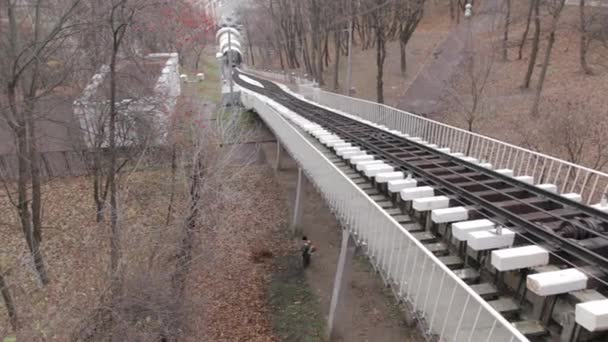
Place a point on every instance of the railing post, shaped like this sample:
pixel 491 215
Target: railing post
pixel 343 275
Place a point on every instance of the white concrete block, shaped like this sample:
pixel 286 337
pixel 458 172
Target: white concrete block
pixel 449 214
pixel 444 149
pixel 556 282
pixel 349 155
pixel 431 203
pixel 418 192
pixel 359 158
pixel 601 207
pixel 374 163
pixel 573 196
pixel 389 176
pixel 519 257
pixel 486 165
pixel 398 185
pixel 341 150
pixel 342 145
pixel 457 154
pixel 310 127
pixel 373 170
pixel 470 160
pixel 415 139
pixel 329 138
pixel 461 230
pixel 361 164
pixel 592 315
pixel 490 239
pixel 548 187
pixel 506 172
pixel 432 145
pixel 333 143
pixel 320 131
pixel 525 179
pixel 325 136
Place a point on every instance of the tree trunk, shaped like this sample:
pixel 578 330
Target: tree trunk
pixel 36 206
pixel 452 9
pixel 8 303
pixel 184 254
pixel 320 66
pixel 535 45
pixel 35 178
pixel 543 73
pixel 249 43
pixel 403 58
pixel 380 56
pixel 24 167
pixel 338 43
pixel 281 58
pixel 505 39
pixel 525 36
pixel 99 207
pixel 326 50
pixel 584 44
pixel 111 178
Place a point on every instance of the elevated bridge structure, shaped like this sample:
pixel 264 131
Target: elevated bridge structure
pixel 481 240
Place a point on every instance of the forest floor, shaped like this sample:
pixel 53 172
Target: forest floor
pixel 569 96
pixel 245 279
pixel 370 312
pixel 572 103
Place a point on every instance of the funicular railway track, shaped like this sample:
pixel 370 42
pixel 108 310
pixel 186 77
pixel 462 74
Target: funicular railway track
pixel 576 235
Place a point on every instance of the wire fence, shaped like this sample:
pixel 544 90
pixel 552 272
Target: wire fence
pixel 446 306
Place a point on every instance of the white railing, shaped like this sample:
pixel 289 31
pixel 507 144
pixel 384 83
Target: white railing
pixel 448 308
pixel 569 177
pixel 288 77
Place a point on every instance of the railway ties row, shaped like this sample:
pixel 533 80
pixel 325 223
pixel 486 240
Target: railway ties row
pixel 479 234
pixel 483 240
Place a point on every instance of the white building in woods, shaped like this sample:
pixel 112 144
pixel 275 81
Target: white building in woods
pixel 147 97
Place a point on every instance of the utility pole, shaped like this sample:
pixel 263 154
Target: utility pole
pixel 350 54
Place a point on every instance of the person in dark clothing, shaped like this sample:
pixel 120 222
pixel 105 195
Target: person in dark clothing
pixel 307 250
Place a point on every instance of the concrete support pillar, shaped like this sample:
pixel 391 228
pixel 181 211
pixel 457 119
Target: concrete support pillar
pixel 342 279
pixel 297 212
pixel 277 162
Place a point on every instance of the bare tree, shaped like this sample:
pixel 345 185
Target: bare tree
pixel 505 39
pixel 535 44
pixel 578 133
pixel 472 99
pixel 8 301
pixel 555 8
pixel 381 23
pixel 408 14
pixel 35 34
pixel 527 29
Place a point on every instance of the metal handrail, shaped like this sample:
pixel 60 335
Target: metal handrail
pixel 573 177
pixel 273 119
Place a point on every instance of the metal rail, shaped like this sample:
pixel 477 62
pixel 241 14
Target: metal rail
pixel 531 211
pixel 569 177
pixel 447 307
